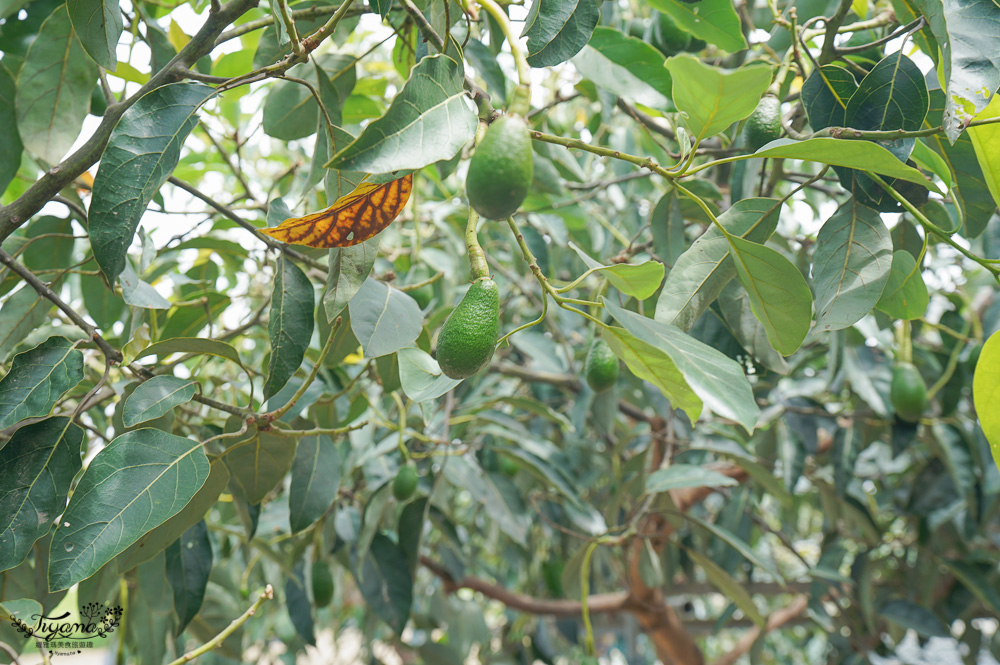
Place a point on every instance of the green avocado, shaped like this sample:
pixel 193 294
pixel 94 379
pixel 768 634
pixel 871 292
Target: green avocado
pixel 508 466
pixel 764 124
pixel 405 482
pixel 666 36
pixel 501 169
pixel 601 366
pixel 469 335
pixel 908 392
pixel 322 583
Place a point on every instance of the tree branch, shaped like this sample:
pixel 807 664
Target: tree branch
pixel 56 178
pixel 601 603
pixel 774 622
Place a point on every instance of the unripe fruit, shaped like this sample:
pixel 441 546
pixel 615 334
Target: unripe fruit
pixel 601 366
pixel 908 392
pixel 764 124
pixel 405 483
pixel 468 337
pixel 667 37
pixel 508 466
pixel 322 583
pixel 501 169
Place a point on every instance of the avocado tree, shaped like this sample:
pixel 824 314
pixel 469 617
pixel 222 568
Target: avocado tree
pixel 483 332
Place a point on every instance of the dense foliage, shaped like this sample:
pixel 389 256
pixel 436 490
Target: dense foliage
pixel 741 402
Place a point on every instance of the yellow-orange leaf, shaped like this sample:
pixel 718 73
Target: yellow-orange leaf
pixel 354 218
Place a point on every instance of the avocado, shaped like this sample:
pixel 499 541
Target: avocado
pixel 601 366
pixel 666 36
pixel 469 335
pixel 322 583
pixel 764 124
pixel 908 392
pixel 405 482
pixel 501 169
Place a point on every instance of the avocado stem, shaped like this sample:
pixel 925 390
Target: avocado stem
pixel 477 257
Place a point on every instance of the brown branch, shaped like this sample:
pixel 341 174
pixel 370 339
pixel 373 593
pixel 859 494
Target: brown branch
pixel 56 178
pixel 601 603
pixel 777 619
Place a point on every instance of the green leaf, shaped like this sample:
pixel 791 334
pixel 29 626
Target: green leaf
pixel 385 582
pixel 37 379
pixel 734 303
pixel 905 294
pixel 10 140
pixel 865 155
pixel 728 585
pixel 779 295
pixel 679 476
pixel 850 265
pixel 384 319
pixel 714 21
pixel 298 605
pixel 626 66
pixel 290 110
pixel 22 312
pixel 315 481
pixel 51 243
pixel 157 397
pixel 143 150
pixel 969 59
pixel 185 321
pixel 986 393
pixel 639 280
pixel 37 465
pixel 290 326
pixel 825 96
pixel 500 500
pixel 258 463
pixel 714 98
pixel 487 67
pixel 701 273
pixel 137 292
pixel 974 579
pixel 429 120
pixel 651 364
pixel 736 543
pixel 986 142
pixel 99 25
pixel 909 616
pixel 136 483
pixel 188 564
pixel 892 96
pixel 556 30
pixel 53 89
pixel 717 379
pixel 348 269
pixel 420 375
pixel 195 345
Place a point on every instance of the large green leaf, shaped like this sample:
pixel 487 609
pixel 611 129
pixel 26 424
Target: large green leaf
pixel 651 364
pixel 717 379
pixel 715 21
pixel 825 95
pixel 37 379
pixel 157 397
pixel 290 327
pixel 315 480
pixel 99 25
pixel 728 586
pixel 429 120
pixel 137 482
pixel 715 98
pixel 10 140
pixel 910 616
pixel 348 269
pixel 986 393
pixel 143 150
pixel 258 463
pixel 420 375
pixel 290 109
pixel 385 582
pixel 986 142
pixel 734 303
pixel 865 155
pixel 556 30
pixel 850 265
pixel 22 312
pixel 969 60
pixel 779 295
pixel 384 319
pixel 53 89
pixel 905 294
pixel 188 564
pixel 626 66
pixel 194 345
pixel 37 465
pixel 701 273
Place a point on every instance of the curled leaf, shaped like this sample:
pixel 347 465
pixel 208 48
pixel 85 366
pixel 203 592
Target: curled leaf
pixel 351 220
